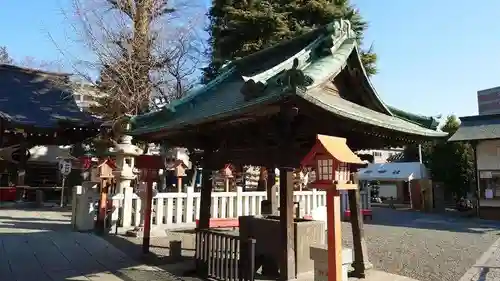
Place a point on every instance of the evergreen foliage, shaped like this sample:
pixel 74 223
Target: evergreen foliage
pixel 450 163
pixel 241 27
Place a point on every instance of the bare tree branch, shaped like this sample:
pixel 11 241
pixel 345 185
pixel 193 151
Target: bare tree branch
pixel 144 52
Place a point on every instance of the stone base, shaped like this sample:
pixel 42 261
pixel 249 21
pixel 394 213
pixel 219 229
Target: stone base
pixel 319 254
pixel 368 265
pixel 138 232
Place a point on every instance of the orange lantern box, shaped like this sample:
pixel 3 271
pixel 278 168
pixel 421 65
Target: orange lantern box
pixel 332 159
pixel 104 170
pixel 178 167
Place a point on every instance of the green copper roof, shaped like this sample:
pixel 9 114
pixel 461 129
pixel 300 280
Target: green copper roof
pixel 295 67
pixel 424 121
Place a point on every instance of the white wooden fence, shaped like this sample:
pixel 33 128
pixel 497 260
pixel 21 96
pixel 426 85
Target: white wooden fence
pixel 181 210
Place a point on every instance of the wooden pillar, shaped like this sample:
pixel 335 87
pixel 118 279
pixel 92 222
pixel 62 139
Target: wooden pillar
pixel 287 235
pixel 146 239
pixel 361 262
pixel 334 234
pixel 262 183
pixel 103 200
pixel 179 184
pixel 206 191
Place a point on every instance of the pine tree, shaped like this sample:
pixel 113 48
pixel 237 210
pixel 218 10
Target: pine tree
pixel 241 27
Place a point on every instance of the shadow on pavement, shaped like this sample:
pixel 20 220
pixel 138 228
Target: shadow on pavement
pixel 40 245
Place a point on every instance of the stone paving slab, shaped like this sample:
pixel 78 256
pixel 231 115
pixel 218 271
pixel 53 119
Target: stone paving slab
pixel 376 275
pixel 487 267
pixel 40 246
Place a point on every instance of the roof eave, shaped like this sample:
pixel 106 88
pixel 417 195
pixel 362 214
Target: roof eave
pixel 181 125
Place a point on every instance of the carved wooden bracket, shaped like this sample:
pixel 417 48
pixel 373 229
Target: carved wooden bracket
pixel 252 90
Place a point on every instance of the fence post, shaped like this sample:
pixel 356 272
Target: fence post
pixel 250 257
pixel 188 211
pixel 239 201
pixel 128 193
pixel 314 201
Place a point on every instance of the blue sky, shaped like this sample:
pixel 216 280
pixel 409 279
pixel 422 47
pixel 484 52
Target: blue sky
pixel 433 55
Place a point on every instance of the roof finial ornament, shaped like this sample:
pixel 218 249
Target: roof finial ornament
pixel 294 77
pixel 343 28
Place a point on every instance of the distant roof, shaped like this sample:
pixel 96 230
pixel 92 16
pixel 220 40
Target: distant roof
pixel 34 98
pixel 479 127
pixel 393 172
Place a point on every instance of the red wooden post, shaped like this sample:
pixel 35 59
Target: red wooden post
pixel 146 239
pixel 103 200
pixel 150 165
pixel 334 235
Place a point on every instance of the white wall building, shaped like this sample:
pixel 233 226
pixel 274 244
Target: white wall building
pixel 381 155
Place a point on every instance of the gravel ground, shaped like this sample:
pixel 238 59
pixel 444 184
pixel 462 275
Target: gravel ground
pixel 427 247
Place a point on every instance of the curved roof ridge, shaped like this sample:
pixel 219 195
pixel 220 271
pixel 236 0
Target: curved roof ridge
pixel 370 84
pixel 426 121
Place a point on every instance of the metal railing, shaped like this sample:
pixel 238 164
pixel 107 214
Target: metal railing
pixel 223 256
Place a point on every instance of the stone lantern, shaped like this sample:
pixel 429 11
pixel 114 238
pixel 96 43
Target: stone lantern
pixel 332 159
pixel 125 153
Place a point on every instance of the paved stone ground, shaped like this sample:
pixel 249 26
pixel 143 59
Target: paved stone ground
pixel 39 246
pixel 487 267
pixel 427 247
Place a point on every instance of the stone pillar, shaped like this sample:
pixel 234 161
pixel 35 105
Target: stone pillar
pixel 128 192
pixel 125 153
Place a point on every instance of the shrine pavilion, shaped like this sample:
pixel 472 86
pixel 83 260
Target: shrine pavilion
pixel 37 108
pixel 267 109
